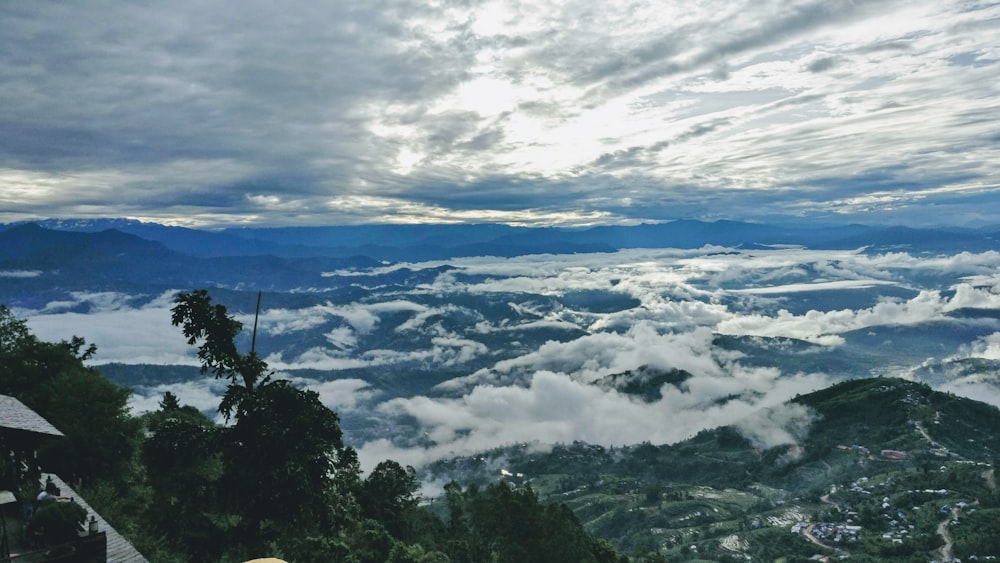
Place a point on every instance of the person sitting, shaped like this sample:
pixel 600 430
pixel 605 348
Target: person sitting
pixel 50 494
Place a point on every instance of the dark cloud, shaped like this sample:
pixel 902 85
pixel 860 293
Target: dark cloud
pixel 657 59
pixel 822 64
pixel 163 109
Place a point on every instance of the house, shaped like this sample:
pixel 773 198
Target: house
pixel 894 455
pixel 17 420
pixel 22 431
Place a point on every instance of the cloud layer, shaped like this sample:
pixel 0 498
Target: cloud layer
pixel 497 351
pixel 556 112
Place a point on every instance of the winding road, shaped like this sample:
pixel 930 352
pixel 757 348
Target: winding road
pixel 942 530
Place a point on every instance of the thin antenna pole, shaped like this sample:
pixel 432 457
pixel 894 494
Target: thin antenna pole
pixel 253 341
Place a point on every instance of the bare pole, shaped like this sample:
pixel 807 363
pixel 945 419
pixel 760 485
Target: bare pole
pixel 253 340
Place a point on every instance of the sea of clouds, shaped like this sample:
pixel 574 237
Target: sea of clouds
pixel 668 307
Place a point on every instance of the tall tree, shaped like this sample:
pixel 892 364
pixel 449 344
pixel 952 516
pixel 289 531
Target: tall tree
pixel 284 455
pixel 388 495
pixel 183 467
pixel 213 330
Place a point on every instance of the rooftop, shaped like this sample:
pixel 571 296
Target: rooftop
pixel 119 549
pixel 14 415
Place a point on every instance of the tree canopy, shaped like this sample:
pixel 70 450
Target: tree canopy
pixel 101 437
pixel 277 480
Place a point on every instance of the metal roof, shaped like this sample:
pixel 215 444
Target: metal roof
pixel 14 415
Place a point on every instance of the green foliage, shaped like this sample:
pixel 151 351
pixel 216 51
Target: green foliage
pixel 278 480
pixel 210 327
pixel 280 459
pixel 50 378
pixel 184 467
pixel 280 473
pixel 504 524
pixel 57 522
pixel 389 496
pixel 101 437
pixel 977 534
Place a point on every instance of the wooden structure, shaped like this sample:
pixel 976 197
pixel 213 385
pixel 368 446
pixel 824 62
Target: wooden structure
pixel 22 430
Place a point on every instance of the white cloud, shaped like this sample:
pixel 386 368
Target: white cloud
pixel 819 326
pixel 784 425
pixel 987 347
pixel 673 306
pixel 685 299
pixel 339 394
pixel 363 317
pixel 975 390
pixel 20 273
pixel 316 358
pixel 203 394
pixel 556 408
pixel 577 113
pixel 285 321
pixel 819 286
pixel 121 332
pixel 342 337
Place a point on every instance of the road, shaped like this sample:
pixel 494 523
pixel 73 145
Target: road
pixel 942 530
pixel 808 531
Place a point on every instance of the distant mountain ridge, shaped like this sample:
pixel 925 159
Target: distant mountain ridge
pixel 436 242
pixel 114 260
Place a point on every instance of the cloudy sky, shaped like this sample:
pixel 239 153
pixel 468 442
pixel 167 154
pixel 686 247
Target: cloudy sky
pixel 568 112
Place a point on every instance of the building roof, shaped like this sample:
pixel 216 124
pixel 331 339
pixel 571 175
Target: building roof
pixel 119 548
pixel 16 416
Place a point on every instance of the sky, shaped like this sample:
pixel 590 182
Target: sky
pixel 548 112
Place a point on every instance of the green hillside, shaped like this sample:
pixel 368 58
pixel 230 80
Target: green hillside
pixel 870 478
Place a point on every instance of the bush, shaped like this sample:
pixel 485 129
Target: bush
pixel 57 522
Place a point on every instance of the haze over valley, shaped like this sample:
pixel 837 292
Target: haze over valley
pixel 434 359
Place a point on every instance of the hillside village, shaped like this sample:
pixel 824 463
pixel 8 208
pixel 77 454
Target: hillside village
pixel 936 499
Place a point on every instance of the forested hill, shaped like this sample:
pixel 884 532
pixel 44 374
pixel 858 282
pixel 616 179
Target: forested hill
pixel 875 414
pixel 903 415
pixel 710 488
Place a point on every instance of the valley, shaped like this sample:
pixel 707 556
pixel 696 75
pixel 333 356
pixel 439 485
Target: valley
pixel 685 402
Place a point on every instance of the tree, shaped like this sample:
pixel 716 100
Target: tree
pixel 290 486
pixel 286 471
pixel 280 456
pixel 101 438
pixel 504 524
pixel 169 402
pixel 388 495
pixel 183 467
pixel 210 324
